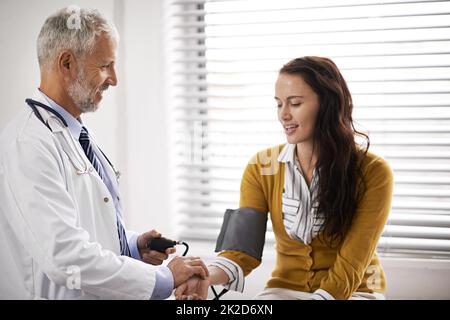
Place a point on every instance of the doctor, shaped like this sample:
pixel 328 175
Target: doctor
pixel 62 234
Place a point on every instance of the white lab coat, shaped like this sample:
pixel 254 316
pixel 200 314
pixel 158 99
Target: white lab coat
pixel 58 223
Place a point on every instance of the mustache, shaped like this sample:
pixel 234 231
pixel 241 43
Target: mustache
pixel 104 87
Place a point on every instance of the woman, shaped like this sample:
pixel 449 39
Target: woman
pixel 328 198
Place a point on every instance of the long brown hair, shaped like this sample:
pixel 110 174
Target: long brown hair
pixel 340 181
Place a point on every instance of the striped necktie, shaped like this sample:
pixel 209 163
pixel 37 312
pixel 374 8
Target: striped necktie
pixel 90 154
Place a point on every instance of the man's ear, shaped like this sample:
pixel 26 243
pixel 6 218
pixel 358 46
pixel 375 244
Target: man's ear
pixel 67 64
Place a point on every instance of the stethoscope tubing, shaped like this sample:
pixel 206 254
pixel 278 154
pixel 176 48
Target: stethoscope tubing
pixel 33 104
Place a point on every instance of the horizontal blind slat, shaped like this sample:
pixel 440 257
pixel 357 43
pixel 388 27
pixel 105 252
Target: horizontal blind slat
pixel 395 57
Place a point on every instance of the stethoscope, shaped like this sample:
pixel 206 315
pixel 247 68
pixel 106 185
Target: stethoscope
pixel 33 104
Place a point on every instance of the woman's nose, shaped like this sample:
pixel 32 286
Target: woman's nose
pixel 284 113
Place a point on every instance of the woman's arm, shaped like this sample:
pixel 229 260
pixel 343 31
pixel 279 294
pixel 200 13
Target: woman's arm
pixel 359 245
pixel 240 260
pixel 217 276
pixel 236 263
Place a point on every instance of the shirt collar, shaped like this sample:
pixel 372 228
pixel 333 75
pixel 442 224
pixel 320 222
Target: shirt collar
pixel 287 154
pixel 73 124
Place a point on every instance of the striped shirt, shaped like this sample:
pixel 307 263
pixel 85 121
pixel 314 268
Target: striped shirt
pixel 233 271
pixel 300 217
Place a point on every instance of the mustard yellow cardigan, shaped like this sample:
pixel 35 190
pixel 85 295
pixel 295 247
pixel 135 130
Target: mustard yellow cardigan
pixel 349 266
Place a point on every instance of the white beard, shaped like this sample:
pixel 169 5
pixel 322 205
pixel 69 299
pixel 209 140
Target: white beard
pixel 80 92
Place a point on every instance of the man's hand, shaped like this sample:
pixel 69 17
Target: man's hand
pixel 184 268
pixel 152 256
pixel 195 288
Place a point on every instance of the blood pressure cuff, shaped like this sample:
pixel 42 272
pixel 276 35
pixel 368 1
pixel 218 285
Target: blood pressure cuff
pixel 244 230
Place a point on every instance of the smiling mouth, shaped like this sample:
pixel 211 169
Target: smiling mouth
pixel 290 128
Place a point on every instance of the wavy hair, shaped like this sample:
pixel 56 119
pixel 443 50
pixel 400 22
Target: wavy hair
pixel 340 176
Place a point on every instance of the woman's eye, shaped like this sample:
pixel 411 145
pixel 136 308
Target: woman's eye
pixel 278 106
pixel 296 104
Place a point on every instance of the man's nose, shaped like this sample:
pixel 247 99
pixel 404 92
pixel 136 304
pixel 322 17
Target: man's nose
pixel 112 78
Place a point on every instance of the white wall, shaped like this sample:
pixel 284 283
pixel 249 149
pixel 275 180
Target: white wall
pixel 147 200
pixel 130 123
pixel 20 22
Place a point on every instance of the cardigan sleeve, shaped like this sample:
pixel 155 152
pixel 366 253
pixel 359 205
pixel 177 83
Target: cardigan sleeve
pixel 358 246
pixel 252 196
pixel 252 193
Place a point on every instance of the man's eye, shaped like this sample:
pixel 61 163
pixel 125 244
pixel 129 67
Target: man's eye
pixel 278 106
pixel 296 104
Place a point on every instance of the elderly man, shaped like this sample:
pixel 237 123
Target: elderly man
pixel 62 234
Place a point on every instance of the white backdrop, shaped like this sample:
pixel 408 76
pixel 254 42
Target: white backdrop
pixel 130 123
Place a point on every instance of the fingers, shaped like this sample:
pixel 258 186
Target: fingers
pixel 151 234
pixel 193 289
pixel 144 237
pixel 196 297
pixel 180 290
pixel 199 271
pixel 198 262
pixel 152 261
pixel 193 296
pixel 185 296
pixel 154 234
pixel 154 257
pixel 170 250
pixel 157 255
pixel 183 268
pixel 197 266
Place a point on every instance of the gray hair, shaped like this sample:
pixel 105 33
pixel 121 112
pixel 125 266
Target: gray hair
pixel 71 28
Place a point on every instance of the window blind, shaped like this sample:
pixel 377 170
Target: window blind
pixel 223 58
